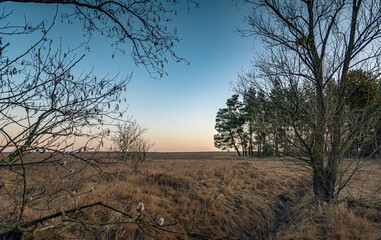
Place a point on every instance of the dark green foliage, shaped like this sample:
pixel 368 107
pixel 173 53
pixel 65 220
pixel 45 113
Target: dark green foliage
pixel 267 151
pixel 229 125
pixel 248 125
pixel 261 125
pixel 363 98
pixel 363 90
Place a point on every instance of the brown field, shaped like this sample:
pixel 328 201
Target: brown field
pixel 203 195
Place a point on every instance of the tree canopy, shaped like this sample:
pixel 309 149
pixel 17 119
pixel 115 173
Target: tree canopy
pixel 312 50
pixel 47 105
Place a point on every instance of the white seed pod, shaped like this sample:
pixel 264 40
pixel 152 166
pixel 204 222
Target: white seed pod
pixel 63 163
pixel 160 222
pixel 71 170
pixel 140 207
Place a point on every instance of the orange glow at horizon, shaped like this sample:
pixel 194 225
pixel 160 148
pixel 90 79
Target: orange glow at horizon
pixel 185 140
pixel 184 145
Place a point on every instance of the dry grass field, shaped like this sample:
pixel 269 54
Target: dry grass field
pixel 199 195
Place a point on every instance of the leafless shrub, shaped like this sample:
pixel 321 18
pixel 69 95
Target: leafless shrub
pixel 131 144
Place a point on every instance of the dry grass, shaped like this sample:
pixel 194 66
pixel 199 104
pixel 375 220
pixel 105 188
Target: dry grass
pixel 213 194
pixel 356 216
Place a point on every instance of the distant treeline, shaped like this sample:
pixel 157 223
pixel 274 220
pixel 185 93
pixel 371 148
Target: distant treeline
pixel 263 123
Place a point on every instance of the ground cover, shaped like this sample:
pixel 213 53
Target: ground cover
pixel 202 195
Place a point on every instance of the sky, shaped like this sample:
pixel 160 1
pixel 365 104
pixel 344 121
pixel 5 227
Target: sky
pixel 178 110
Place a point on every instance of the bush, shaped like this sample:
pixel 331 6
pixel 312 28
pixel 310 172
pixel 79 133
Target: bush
pixel 131 144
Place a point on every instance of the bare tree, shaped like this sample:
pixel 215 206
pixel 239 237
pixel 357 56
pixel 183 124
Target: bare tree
pixel 142 25
pixel 46 108
pixel 138 152
pixel 310 47
pixel 131 144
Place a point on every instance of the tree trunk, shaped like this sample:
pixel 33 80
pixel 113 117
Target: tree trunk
pixel 276 140
pixel 259 144
pixel 323 183
pixel 236 148
pixel 320 191
pixel 251 150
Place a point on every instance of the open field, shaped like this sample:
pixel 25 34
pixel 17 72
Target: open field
pixel 203 195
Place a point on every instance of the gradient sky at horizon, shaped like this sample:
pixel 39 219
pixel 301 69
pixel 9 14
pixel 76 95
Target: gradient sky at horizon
pixel 179 110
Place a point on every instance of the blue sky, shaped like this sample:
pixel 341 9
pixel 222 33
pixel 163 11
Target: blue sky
pixel 179 109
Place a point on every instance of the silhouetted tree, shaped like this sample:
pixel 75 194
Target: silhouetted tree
pixel 307 45
pixel 229 125
pixel 45 106
pixel 258 122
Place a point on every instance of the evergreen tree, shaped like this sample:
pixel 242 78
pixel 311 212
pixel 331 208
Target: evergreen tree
pixel 230 126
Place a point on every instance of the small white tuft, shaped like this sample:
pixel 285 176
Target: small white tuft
pixel 71 170
pixel 140 207
pixel 160 222
pixel 63 163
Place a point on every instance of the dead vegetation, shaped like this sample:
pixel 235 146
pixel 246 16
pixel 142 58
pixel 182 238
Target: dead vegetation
pixel 357 215
pixel 222 198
